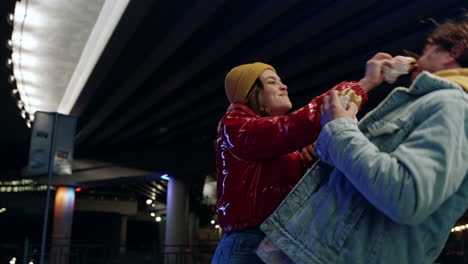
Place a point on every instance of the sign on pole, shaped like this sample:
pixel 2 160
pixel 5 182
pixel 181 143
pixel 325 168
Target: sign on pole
pixel 42 142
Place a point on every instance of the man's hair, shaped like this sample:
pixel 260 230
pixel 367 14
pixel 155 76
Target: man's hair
pixel 451 34
pixel 254 99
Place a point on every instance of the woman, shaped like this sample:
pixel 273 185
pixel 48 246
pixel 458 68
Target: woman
pixel 258 161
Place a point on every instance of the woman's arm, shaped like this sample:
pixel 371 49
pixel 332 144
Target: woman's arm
pixel 252 137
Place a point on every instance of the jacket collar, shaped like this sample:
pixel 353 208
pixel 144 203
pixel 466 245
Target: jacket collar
pixel 458 76
pixel 447 79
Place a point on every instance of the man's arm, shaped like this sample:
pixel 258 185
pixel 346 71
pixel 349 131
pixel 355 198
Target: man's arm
pixel 411 182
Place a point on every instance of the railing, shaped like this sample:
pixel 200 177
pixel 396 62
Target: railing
pixel 101 254
pixel 455 252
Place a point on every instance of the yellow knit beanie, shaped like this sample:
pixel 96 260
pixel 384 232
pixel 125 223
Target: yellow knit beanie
pixel 240 79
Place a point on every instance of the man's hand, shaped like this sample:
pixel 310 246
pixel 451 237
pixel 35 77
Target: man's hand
pixel 332 109
pixel 374 76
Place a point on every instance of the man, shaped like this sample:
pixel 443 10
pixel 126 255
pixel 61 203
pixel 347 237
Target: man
pixel 389 189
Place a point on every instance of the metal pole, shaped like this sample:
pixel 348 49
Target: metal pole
pixel 26 251
pixel 49 182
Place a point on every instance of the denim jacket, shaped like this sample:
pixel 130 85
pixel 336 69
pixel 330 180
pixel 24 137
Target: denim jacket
pixel 387 190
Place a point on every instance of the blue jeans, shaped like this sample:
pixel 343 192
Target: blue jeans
pixel 239 247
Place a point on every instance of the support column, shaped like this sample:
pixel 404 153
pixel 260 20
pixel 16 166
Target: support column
pixel 62 225
pixel 123 234
pixel 177 220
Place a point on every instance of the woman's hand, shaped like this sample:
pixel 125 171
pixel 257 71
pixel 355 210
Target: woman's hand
pixel 307 155
pixel 374 68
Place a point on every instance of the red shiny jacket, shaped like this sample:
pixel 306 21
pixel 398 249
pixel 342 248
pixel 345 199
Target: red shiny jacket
pixel 258 162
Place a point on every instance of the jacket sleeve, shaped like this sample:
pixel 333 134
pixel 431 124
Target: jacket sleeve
pixel 410 183
pixel 266 137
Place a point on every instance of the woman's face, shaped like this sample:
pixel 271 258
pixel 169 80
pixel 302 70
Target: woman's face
pixel 275 93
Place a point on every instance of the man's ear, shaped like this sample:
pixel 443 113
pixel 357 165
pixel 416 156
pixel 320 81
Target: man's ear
pixel 456 51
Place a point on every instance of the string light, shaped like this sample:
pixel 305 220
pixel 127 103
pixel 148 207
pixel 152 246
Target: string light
pixel 9 44
pixel 20 104
pixel 30 188
pixel 24 59
pixel 9 63
pixel 17 40
pixel 26 40
pixel 10 18
pixel 459 228
pixel 18 182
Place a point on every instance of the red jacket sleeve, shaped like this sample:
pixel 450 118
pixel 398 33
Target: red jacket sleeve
pixel 250 136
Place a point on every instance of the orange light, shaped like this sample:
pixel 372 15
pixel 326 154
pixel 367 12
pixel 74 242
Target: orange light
pixel 78 189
